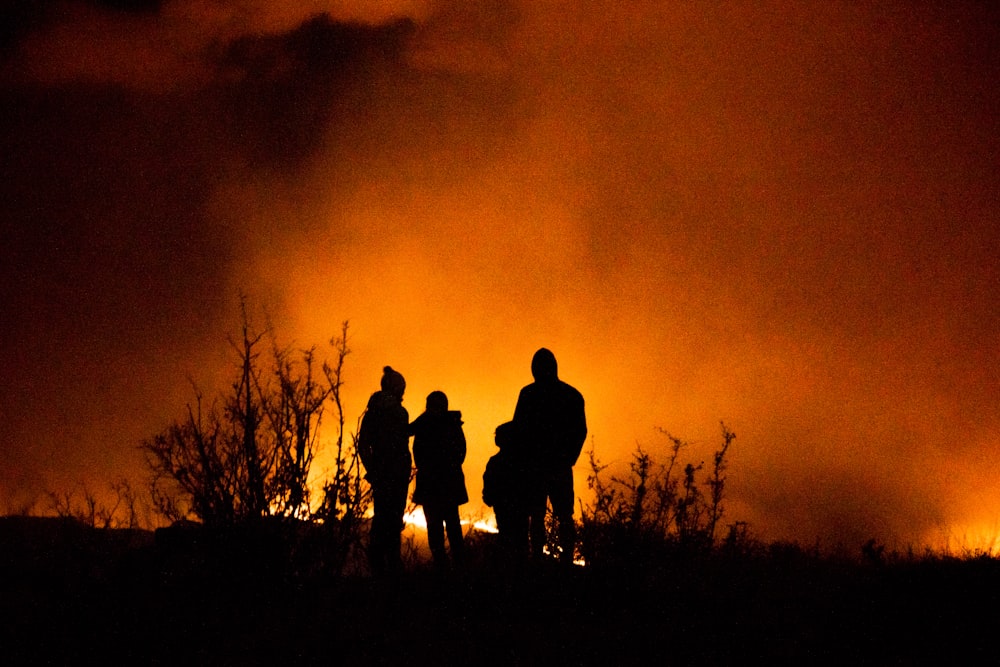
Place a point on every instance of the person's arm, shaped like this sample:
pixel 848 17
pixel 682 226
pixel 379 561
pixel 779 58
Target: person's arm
pixel 462 445
pixel 579 434
pixel 521 408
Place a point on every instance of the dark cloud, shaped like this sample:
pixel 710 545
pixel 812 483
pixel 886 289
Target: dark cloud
pixel 289 88
pixel 131 6
pixel 17 19
pixel 112 255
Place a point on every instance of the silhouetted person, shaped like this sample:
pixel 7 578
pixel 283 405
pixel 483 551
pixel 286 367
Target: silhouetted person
pixel 383 443
pixel 512 489
pixel 438 452
pixel 550 418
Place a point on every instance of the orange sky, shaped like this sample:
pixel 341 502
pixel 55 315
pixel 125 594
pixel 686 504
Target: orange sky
pixel 779 215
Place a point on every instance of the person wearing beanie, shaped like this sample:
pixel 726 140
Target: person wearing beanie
pixel 384 446
pixel 392 382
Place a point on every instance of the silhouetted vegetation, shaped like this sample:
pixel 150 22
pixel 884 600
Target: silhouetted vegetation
pixel 657 506
pixel 125 508
pixel 121 597
pixel 243 460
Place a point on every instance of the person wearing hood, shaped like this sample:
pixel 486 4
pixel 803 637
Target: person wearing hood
pixel 550 417
pixel 438 452
pixel 384 446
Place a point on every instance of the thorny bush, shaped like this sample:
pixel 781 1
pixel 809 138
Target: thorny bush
pixel 657 506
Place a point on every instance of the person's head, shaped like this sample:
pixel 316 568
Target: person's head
pixel 437 402
pixel 393 382
pixel 543 365
pixel 504 435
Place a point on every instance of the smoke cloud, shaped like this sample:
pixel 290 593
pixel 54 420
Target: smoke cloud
pixel 783 217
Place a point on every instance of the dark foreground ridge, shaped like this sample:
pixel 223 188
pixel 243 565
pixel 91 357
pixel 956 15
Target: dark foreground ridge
pixel 73 595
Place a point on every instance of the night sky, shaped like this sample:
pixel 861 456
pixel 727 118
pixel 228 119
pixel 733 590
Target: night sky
pixel 781 215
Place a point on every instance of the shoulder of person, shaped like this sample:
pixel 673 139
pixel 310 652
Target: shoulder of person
pixel 571 390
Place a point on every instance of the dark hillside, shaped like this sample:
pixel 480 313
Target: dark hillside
pixel 73 595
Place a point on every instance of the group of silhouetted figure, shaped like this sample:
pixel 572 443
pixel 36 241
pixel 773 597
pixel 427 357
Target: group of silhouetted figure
pixel 534 468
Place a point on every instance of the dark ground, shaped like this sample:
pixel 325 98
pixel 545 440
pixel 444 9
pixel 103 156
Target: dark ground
pixel 72 595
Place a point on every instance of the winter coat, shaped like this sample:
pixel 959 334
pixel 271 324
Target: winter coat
pixel 438 452
pixel 384 441
pixel 550 416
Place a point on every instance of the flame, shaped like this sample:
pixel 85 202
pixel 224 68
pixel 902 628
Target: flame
pixel 416 519
pixel 975 539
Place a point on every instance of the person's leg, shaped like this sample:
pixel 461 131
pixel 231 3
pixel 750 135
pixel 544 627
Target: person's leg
pixel 435 533
pixel 503 530
pixel 534 499
pixel 514 532
pixel 536 527
pixel 456 541
pixel 394 525
pixel 562 498
pixel 377 533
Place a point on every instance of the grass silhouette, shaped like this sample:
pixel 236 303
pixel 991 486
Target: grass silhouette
pixel 132 597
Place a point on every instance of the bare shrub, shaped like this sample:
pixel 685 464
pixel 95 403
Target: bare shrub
pixel 119 508
pixel 654 506
pixel 246 456
pixel 346 495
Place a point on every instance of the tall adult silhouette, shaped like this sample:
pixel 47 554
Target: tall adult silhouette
pixel 438 452
pixel 384 446
pixel 550 417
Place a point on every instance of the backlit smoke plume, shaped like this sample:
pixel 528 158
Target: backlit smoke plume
pixel 780 215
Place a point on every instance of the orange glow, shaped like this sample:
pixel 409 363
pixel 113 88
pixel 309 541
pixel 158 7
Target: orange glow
pixel 967 540
pixel 780 217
